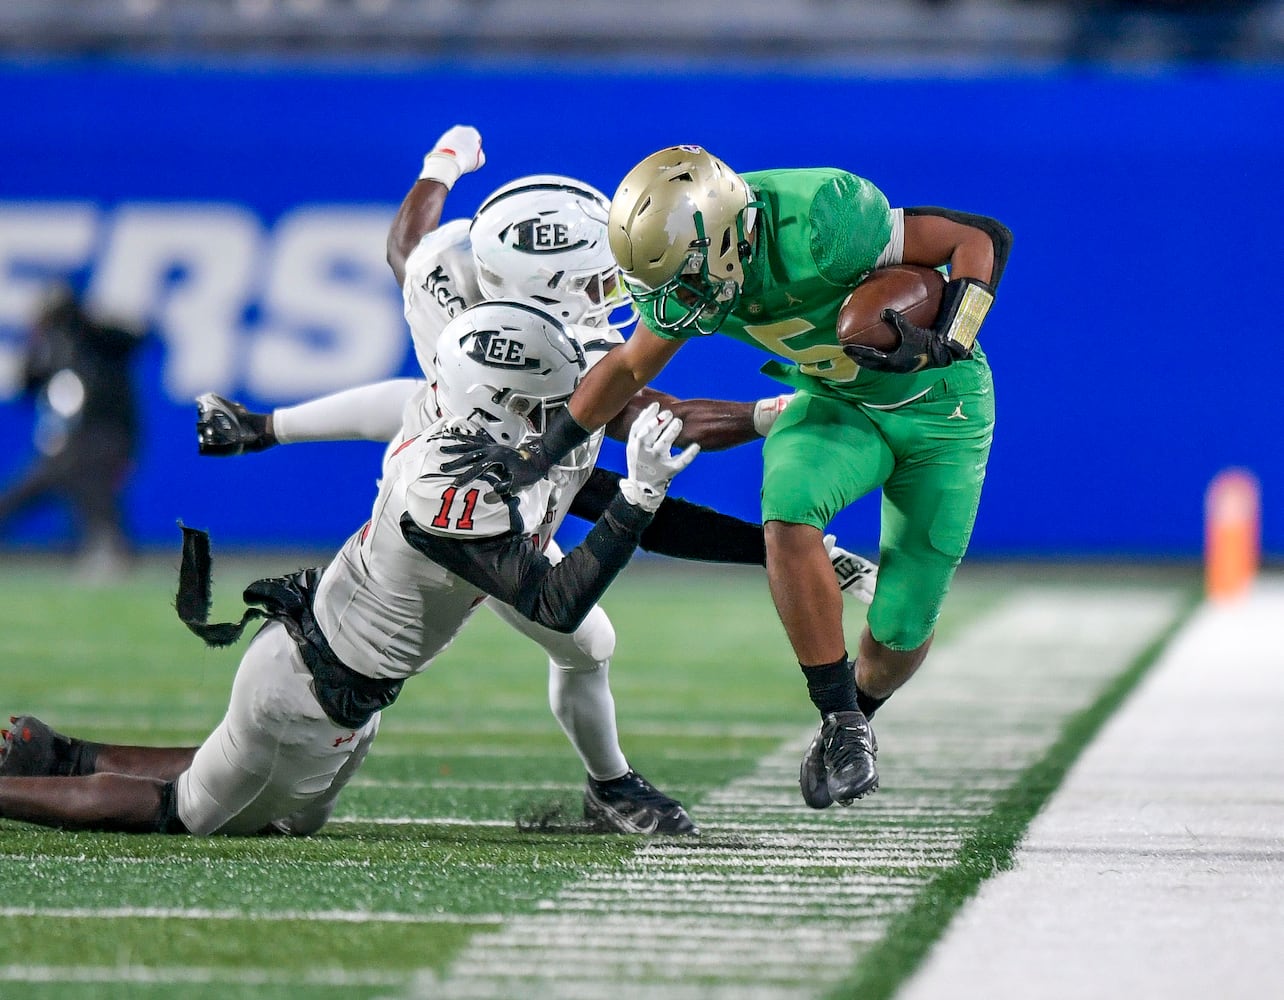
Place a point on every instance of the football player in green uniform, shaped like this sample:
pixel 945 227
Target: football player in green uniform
pixel 770 259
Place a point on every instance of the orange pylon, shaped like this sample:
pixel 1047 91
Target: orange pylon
pixel 1232 534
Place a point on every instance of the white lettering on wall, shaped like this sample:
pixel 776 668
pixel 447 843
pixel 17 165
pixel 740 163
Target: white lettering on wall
pixel 331 315
pixel 301 308
pixel 187 272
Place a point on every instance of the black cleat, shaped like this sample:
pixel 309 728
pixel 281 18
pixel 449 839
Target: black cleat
pixel 631 804
pixel 848 750
pixel 811 776
pixel 30 749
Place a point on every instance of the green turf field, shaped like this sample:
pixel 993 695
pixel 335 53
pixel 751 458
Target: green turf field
pixel 425 884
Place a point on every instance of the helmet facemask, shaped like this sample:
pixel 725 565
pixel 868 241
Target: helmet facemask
pixel 684 192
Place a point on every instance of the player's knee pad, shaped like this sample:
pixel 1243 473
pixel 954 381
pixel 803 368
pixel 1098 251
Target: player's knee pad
pixel 591 647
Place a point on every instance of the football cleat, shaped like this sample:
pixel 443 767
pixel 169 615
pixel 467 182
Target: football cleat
pixel 631 804
pixel 811 775
pixel 848 750
pixel 857 576
pixel 30 749
pixel 224 427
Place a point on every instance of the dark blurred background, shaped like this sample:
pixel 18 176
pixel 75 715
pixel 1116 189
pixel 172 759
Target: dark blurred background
pixel 218 177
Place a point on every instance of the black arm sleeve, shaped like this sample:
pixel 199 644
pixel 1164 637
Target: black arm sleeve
pixel 680 529
pixel 1000 235
pixel 513 570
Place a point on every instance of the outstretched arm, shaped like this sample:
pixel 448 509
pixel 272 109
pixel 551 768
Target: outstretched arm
pixel 713 424
pixel 511 568
pixel 457 152
pixel 367 413
pixel 620 376
pixel 610 384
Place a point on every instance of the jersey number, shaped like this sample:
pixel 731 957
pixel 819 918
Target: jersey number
pixel 825 361
pixel 465 520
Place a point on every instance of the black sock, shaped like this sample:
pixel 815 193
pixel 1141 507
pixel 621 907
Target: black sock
pixel 867 703
pixel 74 757
pixel 85 757
pixel 832 686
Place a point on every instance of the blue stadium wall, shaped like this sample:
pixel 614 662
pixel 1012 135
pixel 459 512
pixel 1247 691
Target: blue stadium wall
pixel 240 214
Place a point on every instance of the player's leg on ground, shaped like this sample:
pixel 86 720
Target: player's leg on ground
pixel 114 802
pixel 274 754
pixel 822 455
pixel 579 690
pixel 615 796
pixel 311 818
pixel 31 748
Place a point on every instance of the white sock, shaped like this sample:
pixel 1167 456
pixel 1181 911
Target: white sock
pixel 585 709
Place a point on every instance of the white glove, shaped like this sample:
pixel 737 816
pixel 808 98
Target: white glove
pixel 651 464
pixel 458 151
pixel 856 576
pixel 766 412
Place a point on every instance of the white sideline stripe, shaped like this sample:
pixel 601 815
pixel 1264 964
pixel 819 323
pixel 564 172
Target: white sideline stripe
pixel 196 913
pixel 1160 860
pixel 469 786
pixel 190 975
pixel 419 821
pixel 613 932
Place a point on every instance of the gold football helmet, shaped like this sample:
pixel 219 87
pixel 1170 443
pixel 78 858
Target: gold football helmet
pixel 679 227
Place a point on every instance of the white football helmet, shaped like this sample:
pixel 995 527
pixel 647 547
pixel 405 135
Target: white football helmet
pixel 507 366
pixel 543 238
pixel 679 227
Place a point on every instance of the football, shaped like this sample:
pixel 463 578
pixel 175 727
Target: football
pixel 909 289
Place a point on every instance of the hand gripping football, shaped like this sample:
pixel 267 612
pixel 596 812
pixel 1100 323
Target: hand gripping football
pixel 909 289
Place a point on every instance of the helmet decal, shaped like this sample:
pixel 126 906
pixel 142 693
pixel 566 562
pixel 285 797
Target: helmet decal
pixel 537 236
pixel 495 349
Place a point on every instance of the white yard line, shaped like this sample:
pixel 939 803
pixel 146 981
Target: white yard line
pixel 189 975
pixel 1157 869
pixel 197 913
pixel 776 901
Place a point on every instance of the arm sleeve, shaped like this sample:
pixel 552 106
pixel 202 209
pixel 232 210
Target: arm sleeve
pixel 366 413
pixel 680 529
pixel 513 570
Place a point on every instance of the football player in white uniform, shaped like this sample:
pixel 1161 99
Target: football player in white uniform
pixel 340 642
pixel 540 238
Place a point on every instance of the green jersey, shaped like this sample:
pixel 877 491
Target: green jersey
pixel 821 233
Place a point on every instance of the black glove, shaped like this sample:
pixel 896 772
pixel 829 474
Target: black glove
pixel 510 470
pixel 513 469
pixel 224 427
pixel 964 304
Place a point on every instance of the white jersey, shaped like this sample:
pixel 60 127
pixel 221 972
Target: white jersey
pixel 441 282
pixel 387 609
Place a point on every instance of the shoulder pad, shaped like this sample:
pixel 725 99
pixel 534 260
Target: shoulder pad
pixel 461 512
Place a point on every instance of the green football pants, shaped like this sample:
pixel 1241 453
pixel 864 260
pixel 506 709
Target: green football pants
pixel 929 457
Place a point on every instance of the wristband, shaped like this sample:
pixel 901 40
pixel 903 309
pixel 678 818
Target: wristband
pixel 642 495
pixel 966 303
pixel 441 167
pixel 767 411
